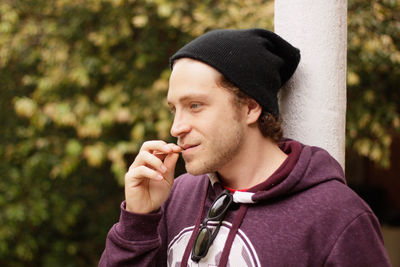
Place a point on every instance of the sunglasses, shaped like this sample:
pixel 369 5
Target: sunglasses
pixel 205 235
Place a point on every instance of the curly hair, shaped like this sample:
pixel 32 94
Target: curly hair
pixel 269 125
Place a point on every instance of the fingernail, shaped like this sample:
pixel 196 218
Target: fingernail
pixel 160 177
pixel 177 148
pixel 163 168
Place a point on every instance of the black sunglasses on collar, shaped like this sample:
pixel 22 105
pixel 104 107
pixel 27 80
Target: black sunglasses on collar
pixel 205 235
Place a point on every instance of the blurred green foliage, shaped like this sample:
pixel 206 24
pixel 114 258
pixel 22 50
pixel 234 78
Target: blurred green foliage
pixel 373 115
pixel 83 84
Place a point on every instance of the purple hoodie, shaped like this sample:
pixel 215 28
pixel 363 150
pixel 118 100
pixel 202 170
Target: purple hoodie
pixel 303 215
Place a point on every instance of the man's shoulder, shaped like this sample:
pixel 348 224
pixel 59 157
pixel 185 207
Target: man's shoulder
pixel 334 197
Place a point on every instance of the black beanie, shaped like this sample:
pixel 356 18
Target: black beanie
pixel 257 61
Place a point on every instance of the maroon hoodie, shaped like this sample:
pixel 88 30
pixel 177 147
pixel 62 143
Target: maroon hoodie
pixel 303 215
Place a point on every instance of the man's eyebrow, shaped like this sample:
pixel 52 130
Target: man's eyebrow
pixel 187 98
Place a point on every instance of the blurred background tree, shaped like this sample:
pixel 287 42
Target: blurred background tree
pixel 83 84
pixel 373 115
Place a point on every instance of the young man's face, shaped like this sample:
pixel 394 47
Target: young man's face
pixel 208 125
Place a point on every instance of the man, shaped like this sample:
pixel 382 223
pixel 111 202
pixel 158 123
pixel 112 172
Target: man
pixel 249 198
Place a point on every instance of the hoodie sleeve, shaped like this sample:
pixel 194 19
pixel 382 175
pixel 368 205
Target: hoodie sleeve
pixel 133 241
pixel 360 244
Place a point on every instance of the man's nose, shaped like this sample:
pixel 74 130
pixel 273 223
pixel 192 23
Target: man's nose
pixel 180 126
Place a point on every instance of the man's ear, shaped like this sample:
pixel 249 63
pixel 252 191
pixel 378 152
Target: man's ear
pixel 253 111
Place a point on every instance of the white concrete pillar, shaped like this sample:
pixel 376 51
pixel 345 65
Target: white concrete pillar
pixel 313 103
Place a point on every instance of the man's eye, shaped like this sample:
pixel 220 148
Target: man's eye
pixel 195 105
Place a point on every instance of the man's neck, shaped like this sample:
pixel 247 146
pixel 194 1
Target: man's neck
pixel 257 161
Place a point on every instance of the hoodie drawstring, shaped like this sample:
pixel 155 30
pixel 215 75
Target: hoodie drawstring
pixel 229 241
pixel 231 236
pixel 195 230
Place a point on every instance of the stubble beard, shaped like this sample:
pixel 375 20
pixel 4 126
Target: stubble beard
pixel 219 153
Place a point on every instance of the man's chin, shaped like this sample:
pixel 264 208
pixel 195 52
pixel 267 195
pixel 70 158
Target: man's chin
pixel 195 170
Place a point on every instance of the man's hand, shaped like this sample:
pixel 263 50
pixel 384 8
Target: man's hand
pixel 149 179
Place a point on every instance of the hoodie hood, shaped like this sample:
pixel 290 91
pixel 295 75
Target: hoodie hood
pixel 305 167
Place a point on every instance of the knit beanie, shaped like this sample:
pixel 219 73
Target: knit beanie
pixel 257 61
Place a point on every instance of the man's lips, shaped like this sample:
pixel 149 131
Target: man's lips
pixel 188 147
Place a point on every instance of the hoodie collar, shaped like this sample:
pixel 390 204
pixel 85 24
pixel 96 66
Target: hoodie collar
pixel 291 148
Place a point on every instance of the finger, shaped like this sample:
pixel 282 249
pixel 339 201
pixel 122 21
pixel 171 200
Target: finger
pixel 170 163
pixel 160 155
pixel 175 148
pixel 156 145
pixel 142 172
pixel 150 160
